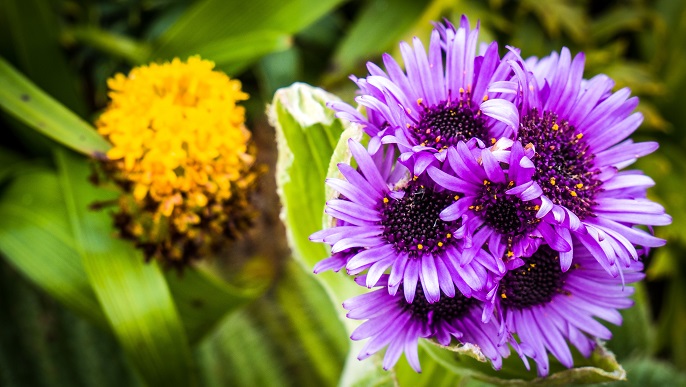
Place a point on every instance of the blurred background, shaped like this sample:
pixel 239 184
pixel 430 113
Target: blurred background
pixel 290 334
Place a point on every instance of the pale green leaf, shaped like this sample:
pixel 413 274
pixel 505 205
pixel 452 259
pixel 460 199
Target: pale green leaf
pixel 306 134
pixel 25 101
pixel 133 294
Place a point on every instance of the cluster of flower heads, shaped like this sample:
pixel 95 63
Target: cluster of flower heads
pixel 180 152
pixel 489 207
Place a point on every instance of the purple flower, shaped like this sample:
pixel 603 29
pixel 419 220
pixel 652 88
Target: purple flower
pixel 579 128
pixel 501 207
pixel 547 307
pixel 433 104
pixel 387 220
pixel 397 323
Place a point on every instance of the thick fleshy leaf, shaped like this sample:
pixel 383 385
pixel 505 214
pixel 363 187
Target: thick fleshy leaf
pixel 308 134
pixel 133 294
pixel 31 105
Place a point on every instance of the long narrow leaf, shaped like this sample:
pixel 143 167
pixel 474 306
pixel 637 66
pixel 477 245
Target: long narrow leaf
pixel 35 236
pixel 213 20
pixel 31 105
pixel 134 295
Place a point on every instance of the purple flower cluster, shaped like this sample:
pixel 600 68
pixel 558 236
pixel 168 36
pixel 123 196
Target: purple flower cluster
pixel 488 207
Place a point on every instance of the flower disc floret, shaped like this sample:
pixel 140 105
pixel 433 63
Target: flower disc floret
pixel 180 152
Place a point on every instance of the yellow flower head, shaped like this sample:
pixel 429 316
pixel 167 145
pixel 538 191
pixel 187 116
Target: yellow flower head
pixel 181 154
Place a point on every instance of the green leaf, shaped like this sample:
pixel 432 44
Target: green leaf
pixel 636 336
pixel 386 20
pixel 44 344
pixel 34 31
pixel 600 367
pixel 651 372
pixel 35 236
pixel 203 301
pixel 234 53
pixel 25 101
pixel 109 43
pixel 133 294
pixel 293 335
pixel 306 134
pixel 35 229
pixel 213 20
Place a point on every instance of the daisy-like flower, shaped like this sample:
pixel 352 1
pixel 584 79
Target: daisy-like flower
pixel 547 307
pixel 394 223
pixel 434 104
pixel 579 128
pixel 394 322
pixel 180 152
pixel 502 207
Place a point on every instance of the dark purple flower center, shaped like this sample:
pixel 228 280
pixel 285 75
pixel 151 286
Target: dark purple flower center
pixel 506 214
pixel 564 166
pixel 412 223
pixel 446 309
pixel 445 124
pixel 534 283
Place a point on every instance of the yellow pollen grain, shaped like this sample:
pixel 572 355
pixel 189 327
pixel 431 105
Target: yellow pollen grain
pixel 510 254
pixel 485 98
pixel 461 90
pixel 415 177
pixel 579 136
pixel 420 246
pixel 579 186
pixel 556 126
pixel 537 207
pixel 448 235
pixel 493 140
pixel 486 182
pixel 385 200
pixel 419 101
pixel 456 197
pixel 440 244
pixel 503 295
pixel 552 181
pixel 438 138
pixel 573 193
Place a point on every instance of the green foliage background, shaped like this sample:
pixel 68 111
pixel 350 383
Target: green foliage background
pixel 75 303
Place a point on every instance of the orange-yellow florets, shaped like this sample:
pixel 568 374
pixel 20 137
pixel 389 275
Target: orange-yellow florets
pixel 180 150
